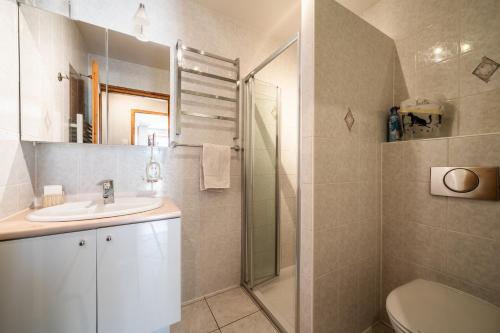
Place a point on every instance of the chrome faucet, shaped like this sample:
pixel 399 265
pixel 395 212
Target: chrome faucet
pixel 108 191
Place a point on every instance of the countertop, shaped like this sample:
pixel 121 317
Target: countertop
pixel 17 226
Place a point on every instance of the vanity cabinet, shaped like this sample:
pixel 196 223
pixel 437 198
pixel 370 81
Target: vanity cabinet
pixel 117 279
pixel 138 277
pixel 48 284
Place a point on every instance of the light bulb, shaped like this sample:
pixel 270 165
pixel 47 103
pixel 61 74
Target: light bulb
pixel 140 16
pixel 438 50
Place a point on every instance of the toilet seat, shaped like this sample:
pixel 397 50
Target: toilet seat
pixel 428 307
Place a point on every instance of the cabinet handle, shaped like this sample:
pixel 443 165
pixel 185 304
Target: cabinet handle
pixel 108 238
pixel 82 242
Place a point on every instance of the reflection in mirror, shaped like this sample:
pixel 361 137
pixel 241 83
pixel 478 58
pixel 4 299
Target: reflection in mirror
pixel 137 96
pixel 81 83
pixel 60 71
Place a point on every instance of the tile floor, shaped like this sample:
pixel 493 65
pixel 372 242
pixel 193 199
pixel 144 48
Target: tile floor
pixel 228 312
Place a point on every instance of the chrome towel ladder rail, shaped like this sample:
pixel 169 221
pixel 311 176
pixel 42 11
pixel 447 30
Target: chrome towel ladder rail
pixel 180 69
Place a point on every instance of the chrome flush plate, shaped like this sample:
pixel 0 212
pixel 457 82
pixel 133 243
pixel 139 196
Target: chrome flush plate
pixel 480 183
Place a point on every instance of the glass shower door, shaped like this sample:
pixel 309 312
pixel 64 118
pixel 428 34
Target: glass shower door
pixel 261 182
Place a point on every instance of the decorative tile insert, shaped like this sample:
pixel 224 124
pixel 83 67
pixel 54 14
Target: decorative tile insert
pixel 349 119
pixel 486 69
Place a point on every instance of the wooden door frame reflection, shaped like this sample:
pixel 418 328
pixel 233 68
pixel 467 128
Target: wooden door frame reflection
pixel 111 89
pixel 133 112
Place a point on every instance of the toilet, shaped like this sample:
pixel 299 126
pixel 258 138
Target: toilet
pixel 423 306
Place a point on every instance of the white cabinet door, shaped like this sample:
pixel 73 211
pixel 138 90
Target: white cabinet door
pixel 138 277
pixel 48 284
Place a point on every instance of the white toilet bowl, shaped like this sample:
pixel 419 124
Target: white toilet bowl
pixel 423 306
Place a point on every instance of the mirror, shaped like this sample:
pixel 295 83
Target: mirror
pixel 86 84
pixel 137 92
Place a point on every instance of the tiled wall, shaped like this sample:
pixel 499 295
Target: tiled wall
pixel 17 160
pixel 453 241
pixel 306 209
pixel 353 70
pixel 449 240
pixel 439 43
pixel 211 221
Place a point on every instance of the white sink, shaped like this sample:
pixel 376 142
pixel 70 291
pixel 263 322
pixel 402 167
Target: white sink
pixel 87 210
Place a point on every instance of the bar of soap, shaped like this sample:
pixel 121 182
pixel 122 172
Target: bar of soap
pixel 53 190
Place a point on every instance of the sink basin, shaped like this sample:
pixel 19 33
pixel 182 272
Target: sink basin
pixel 88 210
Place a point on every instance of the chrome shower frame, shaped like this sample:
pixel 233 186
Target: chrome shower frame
pixel 246 248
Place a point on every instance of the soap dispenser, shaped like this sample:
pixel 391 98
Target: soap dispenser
pixel 394 132
pixel 153 168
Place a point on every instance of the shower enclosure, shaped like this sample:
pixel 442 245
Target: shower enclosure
pixel 270 104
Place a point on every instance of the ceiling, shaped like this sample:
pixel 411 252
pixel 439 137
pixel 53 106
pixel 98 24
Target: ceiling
pixel 279 18
pixel 357 6
pixel 276 18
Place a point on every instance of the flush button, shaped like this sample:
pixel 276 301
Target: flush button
pixel 461 180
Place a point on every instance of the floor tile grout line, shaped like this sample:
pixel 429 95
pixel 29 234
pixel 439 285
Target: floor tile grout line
pixel 211 312
pixel 245 316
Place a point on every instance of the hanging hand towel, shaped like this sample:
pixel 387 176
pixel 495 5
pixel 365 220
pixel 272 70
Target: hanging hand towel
pixel 215 167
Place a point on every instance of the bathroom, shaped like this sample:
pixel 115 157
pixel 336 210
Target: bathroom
pixel 320 225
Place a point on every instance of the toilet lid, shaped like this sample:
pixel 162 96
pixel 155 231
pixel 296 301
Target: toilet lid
pixel 428 307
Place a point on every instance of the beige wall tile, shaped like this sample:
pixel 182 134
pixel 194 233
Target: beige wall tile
pixel 369 240
pixel 369 161
pixel 393 162
pixel 335 204
pixel 369 202
pixel 424 246
pixel 439 81
pixel 348 244
pixel 393 210
pixel 368 292
pixel 415 224
pixel 479 20
pixel 420 156
pixel 451 118
pixel 471 84
pixel 479 218
pixel 474 260
pixel 56 164
pixel 439 41
pixel 348 320
pixel 480 113
pixel 326 250
pixel 393 240
pixel 430 249
pixel 481 150
pixel 422 207
pixel 326 300
pixel 335 160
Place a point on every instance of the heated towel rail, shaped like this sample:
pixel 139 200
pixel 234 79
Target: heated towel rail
pixel 180 69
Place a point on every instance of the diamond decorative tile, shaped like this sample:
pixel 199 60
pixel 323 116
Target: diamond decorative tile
pixel 486 69
pixel 349 119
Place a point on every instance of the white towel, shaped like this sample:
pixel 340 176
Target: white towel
pixel 215 167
